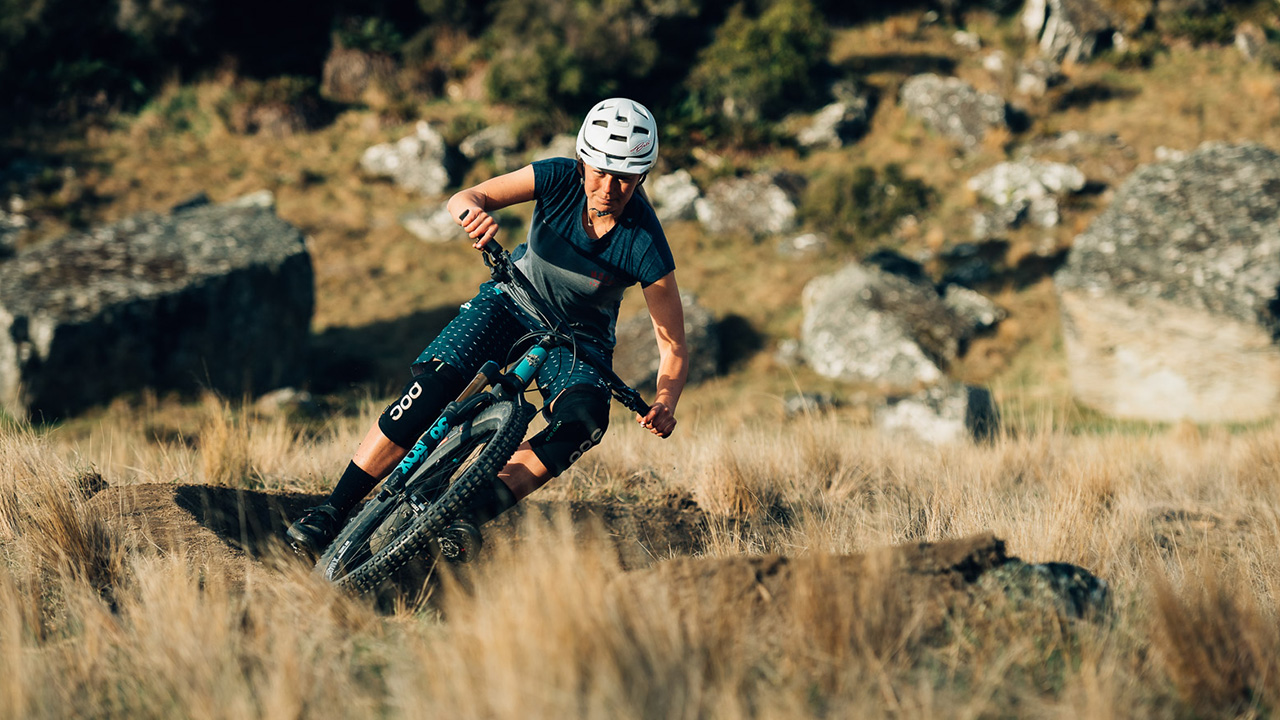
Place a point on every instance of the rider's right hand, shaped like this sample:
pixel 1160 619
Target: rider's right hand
pixel 480 226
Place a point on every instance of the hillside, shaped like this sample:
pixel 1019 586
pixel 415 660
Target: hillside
pixel 757 564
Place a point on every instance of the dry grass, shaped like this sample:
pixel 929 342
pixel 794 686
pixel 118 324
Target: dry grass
pixel 1183 523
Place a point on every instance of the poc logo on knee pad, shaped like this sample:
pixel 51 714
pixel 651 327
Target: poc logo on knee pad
pixel 587 445
pixel 406 402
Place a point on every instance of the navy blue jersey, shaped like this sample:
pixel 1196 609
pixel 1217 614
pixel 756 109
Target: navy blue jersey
pixel 582 277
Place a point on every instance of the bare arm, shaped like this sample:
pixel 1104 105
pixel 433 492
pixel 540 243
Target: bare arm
pixel 493 194
pixel 667 312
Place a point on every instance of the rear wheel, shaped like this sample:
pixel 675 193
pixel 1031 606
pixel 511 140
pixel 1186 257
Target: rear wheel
pixel 389 532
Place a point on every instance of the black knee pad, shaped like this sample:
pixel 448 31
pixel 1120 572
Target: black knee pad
pixel 434 384
pixel 579 417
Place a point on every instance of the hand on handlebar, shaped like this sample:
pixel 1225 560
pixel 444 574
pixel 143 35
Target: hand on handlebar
pixel 660 421
pixel 480 226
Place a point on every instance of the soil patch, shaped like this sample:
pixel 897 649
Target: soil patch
pixel 225 527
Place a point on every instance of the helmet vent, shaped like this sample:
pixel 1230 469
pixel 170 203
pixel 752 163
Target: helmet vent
pixel 619 138
pixel 601 123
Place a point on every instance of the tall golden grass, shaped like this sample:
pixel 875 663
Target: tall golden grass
pixel 1183 523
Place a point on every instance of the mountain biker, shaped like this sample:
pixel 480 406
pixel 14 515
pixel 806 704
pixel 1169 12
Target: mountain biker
pixel 592 235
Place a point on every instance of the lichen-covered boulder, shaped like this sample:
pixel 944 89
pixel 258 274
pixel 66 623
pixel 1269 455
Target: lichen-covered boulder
pixel 1070 30
pixel 215 296
pixel 755 206
pixel 1022 191
pixel 417 162
pixel 635 356
pixel 674 196
pixel 836 125
pixel 1169 299
pixel 942 414
pixel 865 325
pixel 433 224
pixel 953 108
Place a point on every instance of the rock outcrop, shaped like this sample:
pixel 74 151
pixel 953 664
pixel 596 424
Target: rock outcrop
pixel 418 162
pixel 674 196
pixel 953 108
pixel 943 414
pixel 756 206
pixel 1069 30
pixel 836 125
pixel 635 356
pixel 1022 191
pixel 865 325
pixel 214 296
pixel 1170 298
pixel 433 224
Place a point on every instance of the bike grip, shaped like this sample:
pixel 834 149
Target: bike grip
pixel 493 247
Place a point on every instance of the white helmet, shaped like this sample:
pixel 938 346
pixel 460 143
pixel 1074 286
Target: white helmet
pixel 619 136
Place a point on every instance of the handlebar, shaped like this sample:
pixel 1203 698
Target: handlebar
pixel 503 270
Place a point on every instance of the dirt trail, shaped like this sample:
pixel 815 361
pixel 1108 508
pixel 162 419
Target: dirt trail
pixel 237 531
pixel 225 528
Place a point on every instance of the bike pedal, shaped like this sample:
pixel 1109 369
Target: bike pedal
pixel 460 542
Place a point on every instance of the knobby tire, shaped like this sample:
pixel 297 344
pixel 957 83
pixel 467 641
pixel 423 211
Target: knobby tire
pixel 499 428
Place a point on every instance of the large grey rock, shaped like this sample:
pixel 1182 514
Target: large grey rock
pixel 559 146
pixel 674 196
pixel 635 356
pixel 941 414
pixel 433 224
pixel 1251 41
pixel 1169 299
pixel 836 125
pixel 213 297
pixel 977 310
pixel 1034 78
pixel 756 206
pixel 1068 30
pixel 497 142
pixel 1022 190
pixel 493 139
pixel 865 325
pixel 417 162
pixel 953 108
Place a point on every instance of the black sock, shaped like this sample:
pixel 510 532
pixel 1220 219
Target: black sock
pixel 351 489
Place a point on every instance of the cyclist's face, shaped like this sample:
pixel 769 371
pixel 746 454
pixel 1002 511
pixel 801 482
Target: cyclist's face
pixel 608 192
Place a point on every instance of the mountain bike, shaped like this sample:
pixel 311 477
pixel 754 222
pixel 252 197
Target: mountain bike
pixel 425 506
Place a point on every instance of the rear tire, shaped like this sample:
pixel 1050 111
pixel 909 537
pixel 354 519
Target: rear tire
pixel 386 534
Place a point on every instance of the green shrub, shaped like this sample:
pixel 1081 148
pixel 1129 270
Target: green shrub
pixel 858 205
pixel 1216 29
pixel 370 35
pixel 555 58
pixel 764 66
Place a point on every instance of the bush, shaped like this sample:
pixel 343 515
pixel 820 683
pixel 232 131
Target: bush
pixel 556 58
pixel 1217 29
pixel 761 67
pixel 858 205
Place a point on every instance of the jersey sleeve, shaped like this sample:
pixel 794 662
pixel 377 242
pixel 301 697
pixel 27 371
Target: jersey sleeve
pixel 657 262
pixel 550 176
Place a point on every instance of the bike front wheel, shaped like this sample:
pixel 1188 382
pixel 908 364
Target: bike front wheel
pixel 389 532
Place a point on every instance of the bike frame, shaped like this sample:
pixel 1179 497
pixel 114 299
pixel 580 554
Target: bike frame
pixel 511 282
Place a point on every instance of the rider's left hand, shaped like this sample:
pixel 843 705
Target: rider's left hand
pixel 660 421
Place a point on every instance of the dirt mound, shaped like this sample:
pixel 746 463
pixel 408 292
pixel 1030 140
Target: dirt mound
pixel 226 527
pixel 913 588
